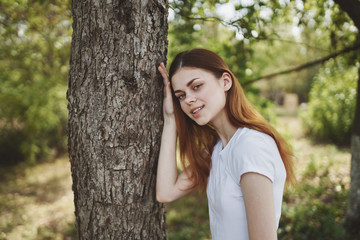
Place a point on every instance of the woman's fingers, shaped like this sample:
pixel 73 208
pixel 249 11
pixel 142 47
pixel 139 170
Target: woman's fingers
pixel 166 90
pixel 162 70
pixel 168 105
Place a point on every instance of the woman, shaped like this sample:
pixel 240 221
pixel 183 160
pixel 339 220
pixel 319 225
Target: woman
pixel 226 147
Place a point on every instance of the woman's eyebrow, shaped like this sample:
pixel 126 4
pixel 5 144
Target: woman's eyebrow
pixel 188 84
pixel 191 81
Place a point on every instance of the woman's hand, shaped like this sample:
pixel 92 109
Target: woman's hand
pixel 168 107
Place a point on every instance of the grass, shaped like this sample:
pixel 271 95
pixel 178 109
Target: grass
pixel 315 207
pixel 188 218
pixel 36 202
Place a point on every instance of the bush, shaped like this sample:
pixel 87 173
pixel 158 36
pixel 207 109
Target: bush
pixel 330 112
pixel 10 149
pixel 34 55
pixel 315 209
pixel 262 105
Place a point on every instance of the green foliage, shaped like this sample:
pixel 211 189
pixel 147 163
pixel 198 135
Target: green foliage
pixel 262 105
pixel 327 20
pixel 196 24
pixel 34 53
pixel 314 209
pixel 330 112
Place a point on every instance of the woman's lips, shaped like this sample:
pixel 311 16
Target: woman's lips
pixel 196 111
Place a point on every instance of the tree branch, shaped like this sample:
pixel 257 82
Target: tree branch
pixel 238 27
pixel 203 19
pixel 292 42
pixel 303 66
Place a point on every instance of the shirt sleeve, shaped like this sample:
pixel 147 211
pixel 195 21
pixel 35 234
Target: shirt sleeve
pixel 254 154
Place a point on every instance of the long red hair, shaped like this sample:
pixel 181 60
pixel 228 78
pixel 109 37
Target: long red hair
pixel 197 142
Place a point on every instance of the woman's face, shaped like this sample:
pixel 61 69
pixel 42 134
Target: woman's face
pixel 202 96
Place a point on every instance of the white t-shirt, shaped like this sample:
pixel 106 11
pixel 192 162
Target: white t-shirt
pixel 247 151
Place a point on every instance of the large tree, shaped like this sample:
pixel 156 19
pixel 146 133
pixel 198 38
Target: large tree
pixel 115 117
pixel 352 8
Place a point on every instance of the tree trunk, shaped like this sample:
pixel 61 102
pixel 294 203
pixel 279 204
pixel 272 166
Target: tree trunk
pixel 115 117
pixel 353 211
pixel 352 8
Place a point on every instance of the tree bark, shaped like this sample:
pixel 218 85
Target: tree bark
pixel 115 117
pixel 353 210
pixel 352 8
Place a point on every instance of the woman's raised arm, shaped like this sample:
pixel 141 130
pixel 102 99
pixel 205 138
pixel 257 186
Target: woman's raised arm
pixel 169 185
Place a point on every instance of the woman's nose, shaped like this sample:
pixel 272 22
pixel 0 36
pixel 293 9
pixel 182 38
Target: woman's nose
pixel 190 99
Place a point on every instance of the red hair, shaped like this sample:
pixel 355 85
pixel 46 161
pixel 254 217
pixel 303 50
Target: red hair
pixel 197 142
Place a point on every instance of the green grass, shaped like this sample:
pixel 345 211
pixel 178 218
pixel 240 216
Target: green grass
pixel 36 202
pixel 315 207
pixel 188 218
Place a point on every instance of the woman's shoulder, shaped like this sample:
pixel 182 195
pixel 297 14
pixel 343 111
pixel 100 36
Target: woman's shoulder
pixel 251 137
pixel 253 151
pixel 253 144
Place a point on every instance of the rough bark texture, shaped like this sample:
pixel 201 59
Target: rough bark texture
pixel 353 211
pixel 352 8
pixel 115 117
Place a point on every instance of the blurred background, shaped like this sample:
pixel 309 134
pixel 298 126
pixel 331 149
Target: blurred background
pixel 311 103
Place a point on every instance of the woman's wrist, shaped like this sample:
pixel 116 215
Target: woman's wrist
pixel 169 120
pixel 169 125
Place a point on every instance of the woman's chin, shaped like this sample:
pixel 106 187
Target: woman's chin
pixel 201 122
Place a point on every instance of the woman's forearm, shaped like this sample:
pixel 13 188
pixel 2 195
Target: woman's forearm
pixel 167 167
pixel 169 185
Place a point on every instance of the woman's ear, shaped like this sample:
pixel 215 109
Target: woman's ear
pixel 227 79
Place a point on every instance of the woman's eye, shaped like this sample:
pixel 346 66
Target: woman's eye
pixel 197 86
pixel 181 96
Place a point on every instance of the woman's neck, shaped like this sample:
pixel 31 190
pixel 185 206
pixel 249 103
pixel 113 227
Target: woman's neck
pixel 224 129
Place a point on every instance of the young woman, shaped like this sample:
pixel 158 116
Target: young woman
pixel 226 148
